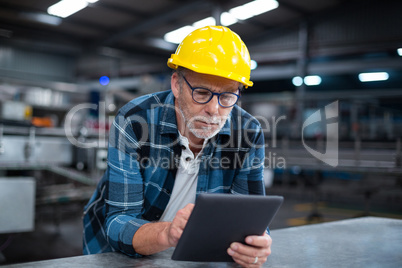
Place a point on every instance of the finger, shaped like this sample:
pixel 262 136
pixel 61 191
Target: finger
pixel 189 206
pixel 245 264
pixel 185 212
pixel 179 223
pixel 259 241
pixel 247 253
pixel 237 253
pixel 246 261
pixel 180 220
pixel 189 209
pixel 176 228
pixel 176 233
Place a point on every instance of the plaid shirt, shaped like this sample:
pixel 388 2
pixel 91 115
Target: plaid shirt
pixel 143 157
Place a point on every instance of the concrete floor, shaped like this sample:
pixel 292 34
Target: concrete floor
pixel 58 230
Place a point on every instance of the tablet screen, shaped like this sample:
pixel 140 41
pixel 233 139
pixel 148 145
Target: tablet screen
pixel 218 220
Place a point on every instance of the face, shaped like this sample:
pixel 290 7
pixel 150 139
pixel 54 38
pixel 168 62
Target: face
pixel 201 120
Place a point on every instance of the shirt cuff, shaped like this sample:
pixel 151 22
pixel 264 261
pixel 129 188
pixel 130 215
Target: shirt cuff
pixel 127 234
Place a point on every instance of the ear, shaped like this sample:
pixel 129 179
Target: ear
pixel 174 84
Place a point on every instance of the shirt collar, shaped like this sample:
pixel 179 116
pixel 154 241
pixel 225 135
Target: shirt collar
pixel 168 122
pixel 184 141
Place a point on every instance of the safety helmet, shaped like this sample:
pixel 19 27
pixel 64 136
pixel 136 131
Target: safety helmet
pixel 214 50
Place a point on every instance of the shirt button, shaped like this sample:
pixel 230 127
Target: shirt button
pixel 188 159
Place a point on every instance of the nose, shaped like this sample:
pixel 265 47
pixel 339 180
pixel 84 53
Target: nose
pixel 212 106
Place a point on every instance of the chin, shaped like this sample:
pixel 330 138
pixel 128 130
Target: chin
pixel 202 134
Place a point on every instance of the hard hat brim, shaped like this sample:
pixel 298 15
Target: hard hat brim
pixel 174 63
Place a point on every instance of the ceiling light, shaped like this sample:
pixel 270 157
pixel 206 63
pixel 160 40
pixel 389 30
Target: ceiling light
pixel 178 35
pixel 371 77
pixel 205 22
pixel 243 12
pixel 312 80
pixel 227 19
pixel 253 8
pixel 65 8
pixel 42 18
pixel 399 51
pixel 160 43
pixel 253 65
pixel 297 81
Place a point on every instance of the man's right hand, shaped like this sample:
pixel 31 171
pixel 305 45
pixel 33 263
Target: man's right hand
pixel 154 237
pixel 175 229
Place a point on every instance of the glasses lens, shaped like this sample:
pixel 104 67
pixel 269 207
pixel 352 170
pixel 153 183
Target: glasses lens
pixel 202 95
pixel 228 99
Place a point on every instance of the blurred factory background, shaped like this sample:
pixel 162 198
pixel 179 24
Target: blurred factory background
pixel 327 90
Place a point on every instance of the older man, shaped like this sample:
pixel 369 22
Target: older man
pixel 167 147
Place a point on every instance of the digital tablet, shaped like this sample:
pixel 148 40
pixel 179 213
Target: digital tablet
pixel 218 220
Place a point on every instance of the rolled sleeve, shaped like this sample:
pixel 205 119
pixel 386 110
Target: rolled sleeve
pixel 120 233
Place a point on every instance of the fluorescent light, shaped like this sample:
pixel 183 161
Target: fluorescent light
pixel 312 80
pixel 370 77
pixel 400 51
pixel 205 22
pixel 253 8
pixel 227 19
pixel 243 12
pixel 253 65
pixel 178 35
pixel 297 81
pixel 160 43
pixel 65 8
pixel 43 18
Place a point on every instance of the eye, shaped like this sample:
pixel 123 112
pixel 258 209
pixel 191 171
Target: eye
pixel 202 91
pixel 228 97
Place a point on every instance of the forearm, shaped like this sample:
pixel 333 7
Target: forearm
pixel 152 238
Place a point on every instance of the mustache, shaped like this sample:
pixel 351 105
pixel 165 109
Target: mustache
pixel 209 120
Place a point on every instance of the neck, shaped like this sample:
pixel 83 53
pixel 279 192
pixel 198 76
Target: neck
pixel 195 143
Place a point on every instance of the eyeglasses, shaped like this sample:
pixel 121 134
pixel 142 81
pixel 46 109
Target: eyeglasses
pixel 204 95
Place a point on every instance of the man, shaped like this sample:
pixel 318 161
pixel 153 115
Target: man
pixel 167 147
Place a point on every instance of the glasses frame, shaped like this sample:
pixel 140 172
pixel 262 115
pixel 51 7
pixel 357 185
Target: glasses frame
pixel 212 94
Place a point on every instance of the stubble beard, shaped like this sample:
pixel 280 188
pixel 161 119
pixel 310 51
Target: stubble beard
pixel 203 132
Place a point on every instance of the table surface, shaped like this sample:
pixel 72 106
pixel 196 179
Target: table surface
pixel 359 242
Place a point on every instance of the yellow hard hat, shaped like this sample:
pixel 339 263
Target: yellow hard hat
pixel 214 50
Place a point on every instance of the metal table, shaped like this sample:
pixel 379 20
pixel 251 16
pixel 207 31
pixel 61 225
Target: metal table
pixel 360 242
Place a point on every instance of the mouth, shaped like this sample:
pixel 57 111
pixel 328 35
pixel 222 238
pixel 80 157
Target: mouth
pixel 208 124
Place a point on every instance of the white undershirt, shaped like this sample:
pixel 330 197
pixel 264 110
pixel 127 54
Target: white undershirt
pixel 185 184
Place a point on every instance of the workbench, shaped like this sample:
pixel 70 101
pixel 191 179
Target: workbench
pixel 358 242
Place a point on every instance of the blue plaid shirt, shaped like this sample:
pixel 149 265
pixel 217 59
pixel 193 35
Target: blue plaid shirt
pixel 143 157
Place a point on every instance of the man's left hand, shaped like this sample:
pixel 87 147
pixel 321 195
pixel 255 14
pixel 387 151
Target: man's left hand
pixel 254 254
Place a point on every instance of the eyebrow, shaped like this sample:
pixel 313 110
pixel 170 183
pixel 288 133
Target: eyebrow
pixel 231 90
